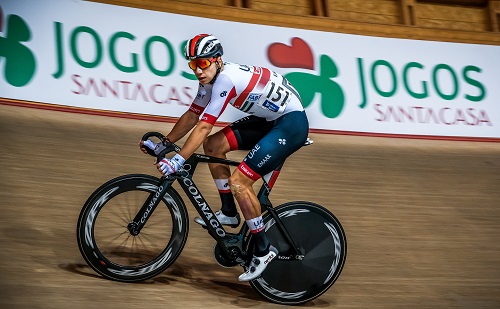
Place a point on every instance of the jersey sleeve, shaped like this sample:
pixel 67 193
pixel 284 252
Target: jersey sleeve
pixel 201 101
pixel 223 92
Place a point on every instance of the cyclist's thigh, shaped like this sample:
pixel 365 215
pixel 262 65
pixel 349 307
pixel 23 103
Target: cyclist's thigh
pixel 244 133
pixel 287 136
pixel 216 143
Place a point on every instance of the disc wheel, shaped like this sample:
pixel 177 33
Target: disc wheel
pixel 320 237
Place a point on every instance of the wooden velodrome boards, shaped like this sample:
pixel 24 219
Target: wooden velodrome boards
pixel 463 21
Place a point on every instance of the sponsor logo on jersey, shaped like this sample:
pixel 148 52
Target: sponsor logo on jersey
pixel 266 158
pixel 253 97
pixel 253 151
pixel 246 171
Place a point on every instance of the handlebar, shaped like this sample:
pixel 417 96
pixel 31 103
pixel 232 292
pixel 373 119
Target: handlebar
pixel 168 145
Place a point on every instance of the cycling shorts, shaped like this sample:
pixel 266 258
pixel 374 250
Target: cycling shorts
pixel 269 142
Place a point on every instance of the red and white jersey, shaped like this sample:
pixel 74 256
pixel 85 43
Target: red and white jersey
pixel 253 90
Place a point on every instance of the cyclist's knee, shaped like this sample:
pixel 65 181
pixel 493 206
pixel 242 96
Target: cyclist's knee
pixel 239 184
pixel 235 189
pixel 215 145
pixel 209 145
pixel 235 186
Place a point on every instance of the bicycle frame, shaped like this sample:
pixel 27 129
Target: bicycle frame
pixel 231 243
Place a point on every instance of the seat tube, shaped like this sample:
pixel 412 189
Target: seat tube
pixel 269 181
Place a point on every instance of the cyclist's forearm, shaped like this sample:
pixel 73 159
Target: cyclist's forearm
pixel 185 123
pixel 195 139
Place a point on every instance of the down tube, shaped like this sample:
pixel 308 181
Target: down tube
pixel 206 213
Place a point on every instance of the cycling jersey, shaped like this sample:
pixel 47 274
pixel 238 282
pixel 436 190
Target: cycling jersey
pixel 253 90
pixel 276 126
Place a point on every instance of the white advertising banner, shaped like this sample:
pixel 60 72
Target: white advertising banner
pixel 106 57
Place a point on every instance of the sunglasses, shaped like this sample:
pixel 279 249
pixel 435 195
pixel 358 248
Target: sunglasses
pixel 201 63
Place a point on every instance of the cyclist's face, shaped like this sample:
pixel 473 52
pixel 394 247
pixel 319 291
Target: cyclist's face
pixel 205 75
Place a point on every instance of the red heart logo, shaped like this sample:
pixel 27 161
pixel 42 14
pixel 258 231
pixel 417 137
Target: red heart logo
pixel 298 55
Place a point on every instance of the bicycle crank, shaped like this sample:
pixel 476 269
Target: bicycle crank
pixel 222 258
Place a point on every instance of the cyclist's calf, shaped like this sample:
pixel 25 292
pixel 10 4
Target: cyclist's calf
pixel 241 188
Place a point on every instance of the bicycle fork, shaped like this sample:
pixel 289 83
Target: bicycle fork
pixel 149 206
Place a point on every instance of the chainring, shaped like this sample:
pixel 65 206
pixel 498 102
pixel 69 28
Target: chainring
pixel 222 258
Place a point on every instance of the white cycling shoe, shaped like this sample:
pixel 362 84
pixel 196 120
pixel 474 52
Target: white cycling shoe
pixel 223 219
pixel 258 265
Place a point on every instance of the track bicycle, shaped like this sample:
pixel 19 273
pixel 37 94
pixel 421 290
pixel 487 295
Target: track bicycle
pixel 135 226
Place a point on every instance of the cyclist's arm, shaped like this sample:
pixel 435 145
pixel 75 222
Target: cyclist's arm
pixel 196 139
pixel 185 123
pixel 215 100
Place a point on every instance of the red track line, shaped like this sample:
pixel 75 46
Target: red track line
pixel 97 112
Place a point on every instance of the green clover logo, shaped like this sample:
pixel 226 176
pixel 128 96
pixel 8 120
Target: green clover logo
pixel 18 61
pixel 299 55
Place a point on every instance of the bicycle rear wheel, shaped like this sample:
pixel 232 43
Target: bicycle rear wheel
pixel 320 236
pixel 106 243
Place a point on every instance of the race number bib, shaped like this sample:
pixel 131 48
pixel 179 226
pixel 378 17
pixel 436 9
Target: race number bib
pixel 277 94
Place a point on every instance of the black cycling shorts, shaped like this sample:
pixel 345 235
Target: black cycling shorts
pixel 269 142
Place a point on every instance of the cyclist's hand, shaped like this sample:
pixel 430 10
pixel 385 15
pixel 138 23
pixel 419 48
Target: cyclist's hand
pixel 170 166
pixel 151 148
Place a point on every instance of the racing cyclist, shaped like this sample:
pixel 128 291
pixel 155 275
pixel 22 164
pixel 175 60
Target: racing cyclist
pixel 276 126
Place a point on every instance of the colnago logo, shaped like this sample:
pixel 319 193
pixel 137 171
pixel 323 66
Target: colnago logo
pixel 208 213
pixel 151 204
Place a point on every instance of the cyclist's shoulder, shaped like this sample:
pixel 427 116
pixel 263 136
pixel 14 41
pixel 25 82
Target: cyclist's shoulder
pixel 232 74
pixel 231 68
pixel 238 72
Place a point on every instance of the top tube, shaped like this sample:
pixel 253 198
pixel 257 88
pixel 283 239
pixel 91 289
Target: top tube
pixel 196 158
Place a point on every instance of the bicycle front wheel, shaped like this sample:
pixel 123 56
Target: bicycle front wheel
pixel 106 243
pixel 320 237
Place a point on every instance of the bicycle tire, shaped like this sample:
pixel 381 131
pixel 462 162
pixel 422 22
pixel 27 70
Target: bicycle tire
pixel 317 232
pixel 107 245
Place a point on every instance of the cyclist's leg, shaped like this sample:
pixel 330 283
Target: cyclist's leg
pixel 288 134
pixel 241 187
pixel 217 145
pixel 239 135
pixel 264 253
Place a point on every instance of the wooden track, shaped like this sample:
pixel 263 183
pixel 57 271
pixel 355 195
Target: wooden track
pixel 422 218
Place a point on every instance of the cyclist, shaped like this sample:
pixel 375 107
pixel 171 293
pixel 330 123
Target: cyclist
pixel 276 126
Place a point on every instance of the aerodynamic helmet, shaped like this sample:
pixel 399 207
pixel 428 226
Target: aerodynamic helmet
pixel 203 46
